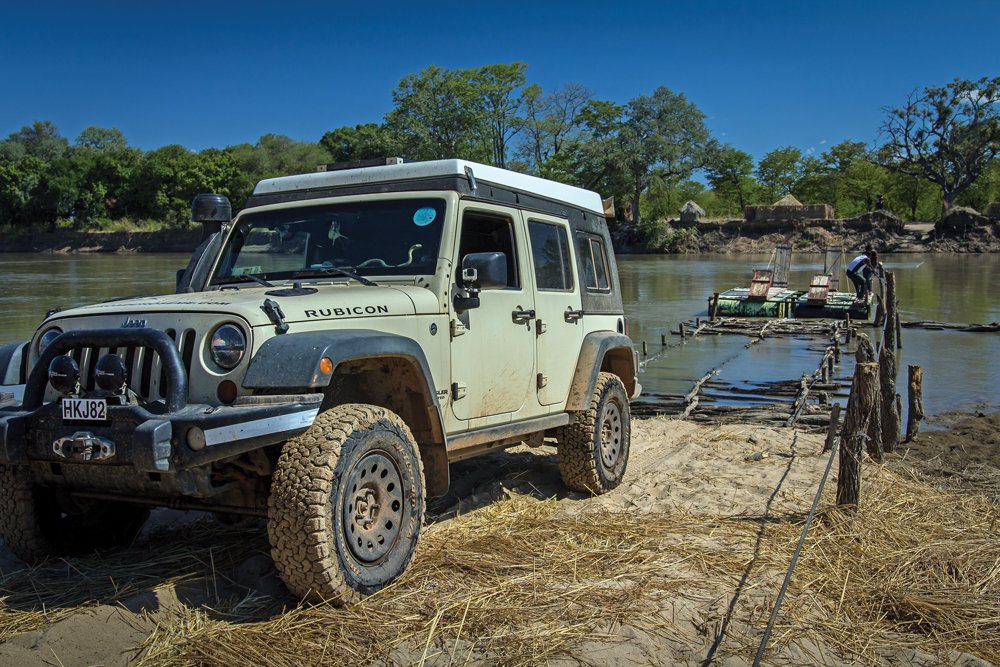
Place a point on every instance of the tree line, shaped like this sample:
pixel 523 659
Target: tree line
pixel 938 149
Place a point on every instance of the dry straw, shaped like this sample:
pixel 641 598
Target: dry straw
pixel 525 581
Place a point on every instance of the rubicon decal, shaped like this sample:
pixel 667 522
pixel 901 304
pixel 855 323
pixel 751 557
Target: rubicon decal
pixel 349 310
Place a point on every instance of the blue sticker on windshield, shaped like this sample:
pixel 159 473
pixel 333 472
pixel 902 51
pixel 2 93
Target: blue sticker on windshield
pixel 424 216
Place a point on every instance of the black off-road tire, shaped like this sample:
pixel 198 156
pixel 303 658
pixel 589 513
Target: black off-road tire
pixel 37 522
pixel 346 504
pixel 593 447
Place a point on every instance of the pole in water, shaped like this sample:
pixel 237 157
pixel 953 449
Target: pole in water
pixel 681 327
pixel 645 351
pixel 663 340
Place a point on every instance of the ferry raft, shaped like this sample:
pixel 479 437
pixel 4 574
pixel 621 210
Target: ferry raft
pixel 769 295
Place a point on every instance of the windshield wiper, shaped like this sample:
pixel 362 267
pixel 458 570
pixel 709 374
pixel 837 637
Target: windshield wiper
pixel 242 278
pixel 333 271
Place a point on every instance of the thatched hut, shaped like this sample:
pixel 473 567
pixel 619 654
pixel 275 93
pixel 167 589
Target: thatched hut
pixel 691 213
pixel 788 208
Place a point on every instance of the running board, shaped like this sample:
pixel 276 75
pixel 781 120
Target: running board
pixel 466 445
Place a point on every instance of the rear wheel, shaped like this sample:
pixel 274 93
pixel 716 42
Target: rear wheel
pixel 36 522
pixel 346 504
pixel 593 447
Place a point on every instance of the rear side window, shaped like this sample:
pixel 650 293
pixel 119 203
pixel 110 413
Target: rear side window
pixel 550 255
pixel 593 263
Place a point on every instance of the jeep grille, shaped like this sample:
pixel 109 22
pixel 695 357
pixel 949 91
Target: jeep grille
pixel 146 374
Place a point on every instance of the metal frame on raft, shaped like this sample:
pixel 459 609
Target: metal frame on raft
pixel 769 296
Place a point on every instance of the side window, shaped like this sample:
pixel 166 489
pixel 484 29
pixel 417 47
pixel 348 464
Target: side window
pixel 593 263
pixel 550 254
pixel 484 232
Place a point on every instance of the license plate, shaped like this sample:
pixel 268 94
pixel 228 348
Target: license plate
pixel 85 409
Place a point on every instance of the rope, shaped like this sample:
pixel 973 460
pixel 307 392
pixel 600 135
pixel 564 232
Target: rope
pixel 795 559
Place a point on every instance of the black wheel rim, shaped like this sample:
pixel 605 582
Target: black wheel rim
pixel 610 433
pixel 373 508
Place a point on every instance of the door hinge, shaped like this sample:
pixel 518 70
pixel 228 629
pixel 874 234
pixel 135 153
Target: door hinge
pixel 458 390
pixel 540 327
pixel 541 380
pixel 458 328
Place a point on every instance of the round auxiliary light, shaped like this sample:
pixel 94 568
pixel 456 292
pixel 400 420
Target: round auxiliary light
pixel 64 375
pixel 227 346
pixel 110 373
pixel 47 338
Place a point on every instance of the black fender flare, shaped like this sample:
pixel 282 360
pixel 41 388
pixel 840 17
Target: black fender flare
pixel 14 353
pixel 293 361
pixel 593 351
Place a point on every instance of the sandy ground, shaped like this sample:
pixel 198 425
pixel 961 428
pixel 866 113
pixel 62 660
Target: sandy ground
pixel 740 473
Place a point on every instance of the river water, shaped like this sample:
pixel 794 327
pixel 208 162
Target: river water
pixel 660 291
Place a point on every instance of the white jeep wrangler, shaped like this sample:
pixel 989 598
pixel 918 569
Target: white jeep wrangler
pixel 328 353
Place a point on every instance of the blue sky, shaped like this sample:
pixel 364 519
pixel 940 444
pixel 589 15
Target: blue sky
pixel 212 74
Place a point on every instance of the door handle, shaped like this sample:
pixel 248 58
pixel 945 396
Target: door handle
pixel 573 315
pixel 521 316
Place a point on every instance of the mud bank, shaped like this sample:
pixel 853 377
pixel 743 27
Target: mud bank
pixel 69 242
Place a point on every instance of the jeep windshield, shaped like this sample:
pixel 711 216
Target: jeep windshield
pixel 385 238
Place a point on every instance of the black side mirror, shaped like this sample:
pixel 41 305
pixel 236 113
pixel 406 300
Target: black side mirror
pixel 480 270
pixel 488 270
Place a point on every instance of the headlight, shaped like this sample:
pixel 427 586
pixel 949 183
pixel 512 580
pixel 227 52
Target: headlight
pixel 227 346
pixel 47 338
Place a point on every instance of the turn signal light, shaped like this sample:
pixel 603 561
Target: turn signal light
pixel 325 366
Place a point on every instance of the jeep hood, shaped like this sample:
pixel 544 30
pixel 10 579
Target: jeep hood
pixel 338 301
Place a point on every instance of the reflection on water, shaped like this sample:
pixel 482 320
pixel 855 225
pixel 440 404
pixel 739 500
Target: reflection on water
pixel 960 369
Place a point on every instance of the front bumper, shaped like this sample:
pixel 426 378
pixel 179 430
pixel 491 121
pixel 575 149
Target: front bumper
pixel 152 437
pixel 151 440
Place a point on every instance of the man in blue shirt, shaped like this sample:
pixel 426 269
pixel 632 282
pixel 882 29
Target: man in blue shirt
pixel 860 271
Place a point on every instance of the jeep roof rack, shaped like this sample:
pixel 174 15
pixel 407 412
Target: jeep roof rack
pixel 414 171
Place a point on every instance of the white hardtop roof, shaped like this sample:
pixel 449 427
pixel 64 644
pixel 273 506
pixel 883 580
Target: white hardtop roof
pixel 541 187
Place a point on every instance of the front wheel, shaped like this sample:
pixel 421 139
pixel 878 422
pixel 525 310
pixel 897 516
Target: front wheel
pixel 346 504
pixel 36 522
pixel 593 447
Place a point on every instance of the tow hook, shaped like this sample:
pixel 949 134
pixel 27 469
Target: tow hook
pixel 84 446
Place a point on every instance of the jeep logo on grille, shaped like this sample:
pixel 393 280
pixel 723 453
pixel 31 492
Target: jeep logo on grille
pixel 129 323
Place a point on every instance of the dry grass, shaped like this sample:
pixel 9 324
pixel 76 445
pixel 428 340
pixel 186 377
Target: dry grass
pixel 524 581
pixel 918 567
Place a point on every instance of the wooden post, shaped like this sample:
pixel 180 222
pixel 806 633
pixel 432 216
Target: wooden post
pixel 899 331
pixel 663 340
pixel 697 322
pixel 831 431
pixel 829 366
pixel 645 351
pixel 836 349
pixel 861 412
pixel 681 327
pixel 715 307
pixel 866 351
pixel 916 402
pixel 887 383
pixel 889 331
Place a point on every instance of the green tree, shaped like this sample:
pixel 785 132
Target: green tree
pixel 659 137
pixel 551 123
pixel 361 142
pixel 437 114
pixel 497 88
pixel 730 173
pixel 945 134
pixel 41 140
pixel 780 171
